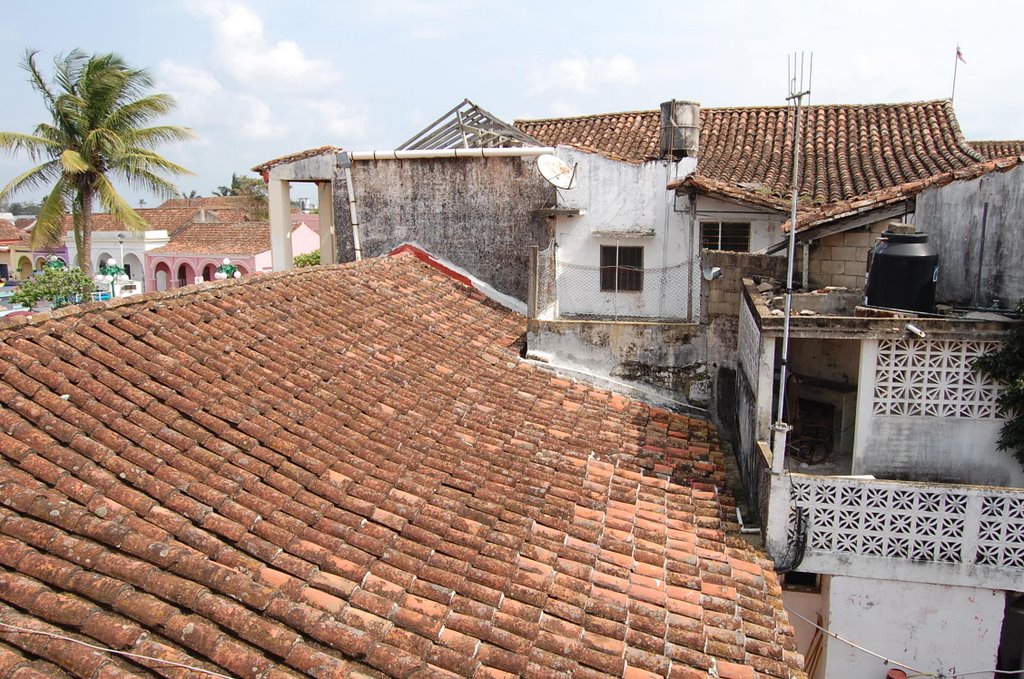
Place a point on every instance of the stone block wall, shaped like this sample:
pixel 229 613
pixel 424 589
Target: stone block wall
pixel 841 259
pixel 721 297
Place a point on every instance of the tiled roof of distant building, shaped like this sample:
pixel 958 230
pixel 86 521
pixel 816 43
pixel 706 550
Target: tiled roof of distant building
pixel 631 136
pixel 347 471
pixel 999 149
pixel 9 232
pixel 218 238
pixel 157 218
pixel 240 203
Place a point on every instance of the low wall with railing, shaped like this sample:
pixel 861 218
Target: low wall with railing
pixel 944 534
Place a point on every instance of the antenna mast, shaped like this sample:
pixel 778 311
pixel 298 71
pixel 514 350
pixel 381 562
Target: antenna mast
pixel 797 90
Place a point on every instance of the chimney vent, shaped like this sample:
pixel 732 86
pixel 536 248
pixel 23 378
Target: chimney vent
pixel 680 129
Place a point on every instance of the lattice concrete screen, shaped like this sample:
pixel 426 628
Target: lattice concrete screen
pixel 888 519
pixel 933 378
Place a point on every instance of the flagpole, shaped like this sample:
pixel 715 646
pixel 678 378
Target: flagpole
pixel 956 58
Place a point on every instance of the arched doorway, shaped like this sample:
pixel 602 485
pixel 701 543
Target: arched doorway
pixel 162 274
pixel 24 267
pixel 186 275
pixel 241 269
pixel 133 267
pixel 102 261
pixel 40 263
pixel 208 272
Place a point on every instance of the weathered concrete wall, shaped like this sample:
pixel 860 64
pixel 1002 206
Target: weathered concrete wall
pixel 922 448
pixel 933 628
pixel 667 355
pixel 842 259
pixel 952 216
pixel 721 297
pixel 623 204
pixel 474 212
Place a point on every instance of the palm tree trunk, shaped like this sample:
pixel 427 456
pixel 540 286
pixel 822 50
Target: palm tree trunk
pixel 85 251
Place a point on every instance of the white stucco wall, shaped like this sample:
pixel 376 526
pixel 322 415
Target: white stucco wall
pixel 810 605
pixel 924 448
pixel 620 200
pixel 765 225
pixel 932 628
pixel 134 249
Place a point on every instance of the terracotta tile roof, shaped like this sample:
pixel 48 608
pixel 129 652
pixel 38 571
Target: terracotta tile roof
pixel 9 232
pixel 219 238
pixel 292 157
pixel 347 471
pixel 169 218
pixel 808 218
pixel 309 219
pixel 631 136
pixel 241 203
pixel 745 153
pixel 998 149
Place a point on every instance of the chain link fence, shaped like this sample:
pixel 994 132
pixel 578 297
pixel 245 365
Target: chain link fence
pixel 567 290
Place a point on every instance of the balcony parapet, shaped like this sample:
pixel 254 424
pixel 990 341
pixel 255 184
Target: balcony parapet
pixel 938 533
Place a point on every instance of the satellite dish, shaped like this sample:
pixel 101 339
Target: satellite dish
pixel 555 170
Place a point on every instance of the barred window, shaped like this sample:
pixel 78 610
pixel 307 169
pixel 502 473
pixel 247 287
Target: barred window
pixel 622 268
pixel 731 236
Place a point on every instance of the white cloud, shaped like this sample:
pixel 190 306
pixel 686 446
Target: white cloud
pixel 242 49
pixel 582 75
pixel 258 122
pixel 339 120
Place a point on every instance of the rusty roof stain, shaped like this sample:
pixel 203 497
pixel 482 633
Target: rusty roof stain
pixel 347 471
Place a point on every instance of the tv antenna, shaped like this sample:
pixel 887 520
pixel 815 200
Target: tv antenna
pixel 798 88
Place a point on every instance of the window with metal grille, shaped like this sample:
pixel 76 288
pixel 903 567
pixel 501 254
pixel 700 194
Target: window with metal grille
pixel 622 268
pixel 731 236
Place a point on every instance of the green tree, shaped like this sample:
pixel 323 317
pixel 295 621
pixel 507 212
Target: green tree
pixel 307 259
pixel 253 188
pixel 59 285
pixel 100 109
pixel 16 208
pixel 1006 365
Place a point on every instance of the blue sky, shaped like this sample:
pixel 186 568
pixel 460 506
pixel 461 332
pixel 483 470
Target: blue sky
pixel 258 79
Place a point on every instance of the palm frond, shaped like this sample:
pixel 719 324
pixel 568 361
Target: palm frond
pixel 143 160
pixel 49 227
pixel 36 78
pixel 112 201
pixel 35 146
pixel 160 134
pixel 151 182
pixel 136 113
pixel 73 162
pixel 33 179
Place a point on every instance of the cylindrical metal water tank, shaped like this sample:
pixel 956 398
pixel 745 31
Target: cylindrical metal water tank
pixel 903 269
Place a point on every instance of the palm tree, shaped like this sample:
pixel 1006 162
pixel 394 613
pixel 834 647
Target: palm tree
pixel 99 108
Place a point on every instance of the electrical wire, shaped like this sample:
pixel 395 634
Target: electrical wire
pixel 887 661
pixel 103 649
pixel 890 661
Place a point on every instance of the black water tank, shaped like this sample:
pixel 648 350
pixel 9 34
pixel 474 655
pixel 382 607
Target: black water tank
pixel 902 271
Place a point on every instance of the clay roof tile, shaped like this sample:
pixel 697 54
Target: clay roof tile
pixel 348 471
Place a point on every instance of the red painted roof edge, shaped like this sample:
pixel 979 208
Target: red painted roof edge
pixel 427 258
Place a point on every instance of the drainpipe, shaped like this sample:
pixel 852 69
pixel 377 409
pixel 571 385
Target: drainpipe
pixel 345 161
pixel 694 256
pixel 516 152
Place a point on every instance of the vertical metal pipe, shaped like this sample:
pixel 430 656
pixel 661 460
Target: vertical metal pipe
pixel 353 214
pixel 791 257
